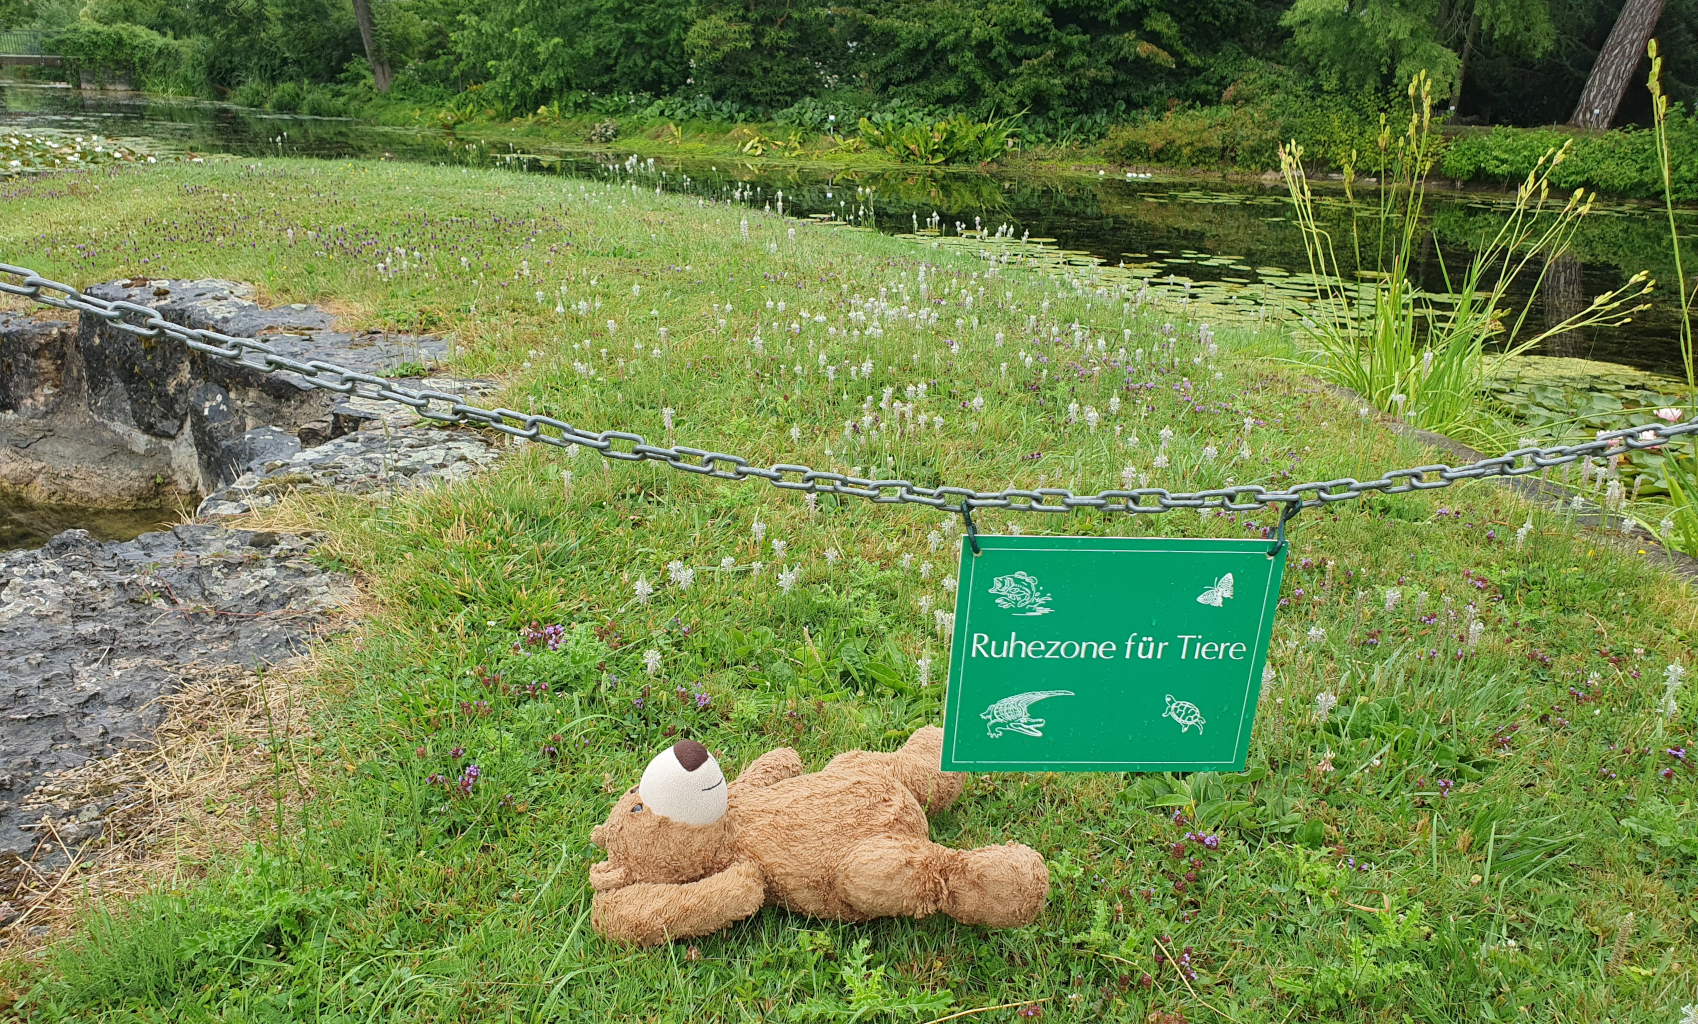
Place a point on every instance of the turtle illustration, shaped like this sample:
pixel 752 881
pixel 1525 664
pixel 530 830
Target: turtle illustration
pixel 1185 713
pixel 1010 713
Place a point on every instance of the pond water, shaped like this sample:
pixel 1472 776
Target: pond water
pixel 1231 243
pixel 30 526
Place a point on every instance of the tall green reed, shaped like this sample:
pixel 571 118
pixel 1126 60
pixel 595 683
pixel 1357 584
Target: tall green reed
pixel 1680 464
pixel 1420 356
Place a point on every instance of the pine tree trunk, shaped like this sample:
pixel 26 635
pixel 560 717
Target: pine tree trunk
pixel 1613 71
pixel 379 69
pixel 1565 296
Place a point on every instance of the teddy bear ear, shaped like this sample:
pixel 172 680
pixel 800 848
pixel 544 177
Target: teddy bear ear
pixel 685 783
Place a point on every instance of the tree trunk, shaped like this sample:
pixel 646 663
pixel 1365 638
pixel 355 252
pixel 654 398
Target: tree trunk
pixel 380 70
pixel 1613 71
pixel 1565 296
pixel 1462 67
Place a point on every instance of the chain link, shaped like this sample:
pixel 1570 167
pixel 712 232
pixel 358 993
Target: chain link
pixel 144 322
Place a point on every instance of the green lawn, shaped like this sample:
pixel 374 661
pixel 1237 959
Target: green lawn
pixel 1492 830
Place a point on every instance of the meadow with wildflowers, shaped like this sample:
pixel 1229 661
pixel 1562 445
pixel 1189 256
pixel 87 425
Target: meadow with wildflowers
pixel 1470 791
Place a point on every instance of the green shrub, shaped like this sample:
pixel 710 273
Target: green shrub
pixel 959 139
pixel 1245 137
pixel 286 98
pixel 320 101
pixel 250 94
pixel 1622 162
pixel 1258 112
pixel 148 60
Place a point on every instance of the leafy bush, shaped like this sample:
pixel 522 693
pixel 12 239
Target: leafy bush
pixel 959 139
pixel 319 101
pixel 700 107
pixel 604 132
pixel 250 94
pixel 1257 112
pixel 1245 137
pixel 1068 131
pixel 148 60
pixel 1620 162
pixel 285 99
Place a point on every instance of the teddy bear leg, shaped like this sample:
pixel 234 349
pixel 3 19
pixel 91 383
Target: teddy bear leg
pixel 895 877
pixel 996 886
pixel 915 766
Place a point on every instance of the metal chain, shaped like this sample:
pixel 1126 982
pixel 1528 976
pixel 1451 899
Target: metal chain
pixel 628 447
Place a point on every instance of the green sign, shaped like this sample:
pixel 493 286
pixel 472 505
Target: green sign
pixel 1093 654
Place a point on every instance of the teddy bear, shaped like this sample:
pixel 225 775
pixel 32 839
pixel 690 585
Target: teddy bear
pixel 689 854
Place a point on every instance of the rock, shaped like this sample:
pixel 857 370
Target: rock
pixel 35 359
pixel 96 416
pixel 357 463
pixel 313 434
pixel 92 633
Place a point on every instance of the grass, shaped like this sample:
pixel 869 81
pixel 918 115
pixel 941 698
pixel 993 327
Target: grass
pixel 1447 844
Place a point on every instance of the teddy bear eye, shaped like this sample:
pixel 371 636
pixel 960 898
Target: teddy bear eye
pixel 636 808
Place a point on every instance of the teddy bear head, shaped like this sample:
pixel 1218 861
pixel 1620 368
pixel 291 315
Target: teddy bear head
pixel 671 827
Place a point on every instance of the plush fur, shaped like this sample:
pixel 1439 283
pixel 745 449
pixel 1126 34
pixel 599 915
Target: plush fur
pixel 848 843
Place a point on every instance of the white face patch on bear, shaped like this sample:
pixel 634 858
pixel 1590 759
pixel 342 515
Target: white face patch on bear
pixel 694 796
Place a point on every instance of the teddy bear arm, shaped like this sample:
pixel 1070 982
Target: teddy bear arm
pixel 649 914
pixel 772 766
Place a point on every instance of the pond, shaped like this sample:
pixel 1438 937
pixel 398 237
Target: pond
pixel 1227 243
pixel 30 526
pixel 1230 242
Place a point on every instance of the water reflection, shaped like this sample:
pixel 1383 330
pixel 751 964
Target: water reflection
pixel 1228 243
pixel 30 526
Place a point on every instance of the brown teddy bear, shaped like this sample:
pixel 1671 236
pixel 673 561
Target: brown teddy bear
pixel 689 855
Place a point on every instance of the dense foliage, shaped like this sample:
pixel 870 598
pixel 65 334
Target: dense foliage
pixel 1073 68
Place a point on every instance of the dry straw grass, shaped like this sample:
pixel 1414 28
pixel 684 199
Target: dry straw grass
pixel 229 762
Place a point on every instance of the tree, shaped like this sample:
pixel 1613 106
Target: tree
pixel 1372 44
pixel 1524 27
pixel 1613 72
pixel 1376 44
pixel 379 69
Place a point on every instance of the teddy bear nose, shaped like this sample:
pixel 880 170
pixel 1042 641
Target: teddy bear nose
pixel 598 836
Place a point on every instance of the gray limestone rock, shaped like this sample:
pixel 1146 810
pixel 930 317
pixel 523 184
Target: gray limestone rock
pixel 91 634
pixel 94 415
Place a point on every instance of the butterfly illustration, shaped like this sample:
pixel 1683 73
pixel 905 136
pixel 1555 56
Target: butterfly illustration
pixel 1220 591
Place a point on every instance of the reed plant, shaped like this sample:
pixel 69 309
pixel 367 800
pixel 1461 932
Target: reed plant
pixel 1680 464
pixel 1420 356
